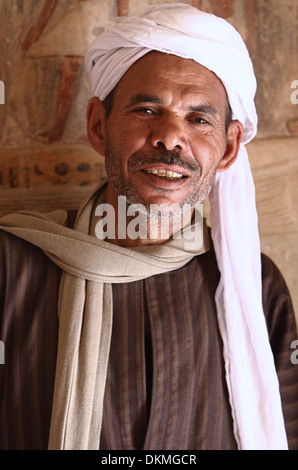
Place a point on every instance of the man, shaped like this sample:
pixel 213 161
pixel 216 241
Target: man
pixel 150 344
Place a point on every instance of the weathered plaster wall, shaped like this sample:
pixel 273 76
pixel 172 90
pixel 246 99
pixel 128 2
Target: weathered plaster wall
pixel 45 159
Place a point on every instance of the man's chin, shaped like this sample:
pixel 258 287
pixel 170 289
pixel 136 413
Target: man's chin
pixel 157 204
pixel 157 208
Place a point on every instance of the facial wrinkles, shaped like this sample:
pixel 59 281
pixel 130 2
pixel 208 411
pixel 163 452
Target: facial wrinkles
pixel 200 185
pixel 173 89
pixel 199 188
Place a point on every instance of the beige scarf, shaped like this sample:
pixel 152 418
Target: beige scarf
pixel 85 308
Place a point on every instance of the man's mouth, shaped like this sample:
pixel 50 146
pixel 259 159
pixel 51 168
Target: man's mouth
pixel 166 174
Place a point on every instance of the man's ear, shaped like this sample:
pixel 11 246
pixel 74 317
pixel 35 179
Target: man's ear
pixel 234 137
pixel 96 125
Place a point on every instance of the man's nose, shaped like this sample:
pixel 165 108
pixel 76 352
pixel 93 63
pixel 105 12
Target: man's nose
pixel 169 132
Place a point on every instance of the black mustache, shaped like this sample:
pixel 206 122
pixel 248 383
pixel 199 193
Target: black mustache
pixel 166 157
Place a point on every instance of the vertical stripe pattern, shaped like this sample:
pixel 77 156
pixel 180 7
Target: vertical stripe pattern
pixel 29 286
pixel 188 396
pixel 165 387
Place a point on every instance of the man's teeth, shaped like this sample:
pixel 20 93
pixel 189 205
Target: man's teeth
pixel 165 174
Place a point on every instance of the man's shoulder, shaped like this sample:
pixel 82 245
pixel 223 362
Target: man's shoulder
pixel 270 271
pixel 269 268
pixel 273 281
pixel 16 252
pixel 14 248
pixel 277 301
pixel 11 244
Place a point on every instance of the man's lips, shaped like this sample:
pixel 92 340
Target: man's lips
pixel 172 175
pixel 167 160
pixel 160 181
pixel 168 170
pixel 163 170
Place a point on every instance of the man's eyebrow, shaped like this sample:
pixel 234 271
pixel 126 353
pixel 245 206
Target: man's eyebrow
pixel 144 98
pixel 204 109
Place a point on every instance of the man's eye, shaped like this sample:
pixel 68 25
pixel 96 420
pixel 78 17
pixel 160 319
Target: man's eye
pixel 144 111
pixel 198 120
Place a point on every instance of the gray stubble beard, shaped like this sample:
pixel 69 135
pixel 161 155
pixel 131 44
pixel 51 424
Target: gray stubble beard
pixel 123 188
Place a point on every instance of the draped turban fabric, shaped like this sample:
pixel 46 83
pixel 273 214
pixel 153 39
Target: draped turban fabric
pixel 183 30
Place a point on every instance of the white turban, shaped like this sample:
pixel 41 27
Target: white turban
pixel 183 30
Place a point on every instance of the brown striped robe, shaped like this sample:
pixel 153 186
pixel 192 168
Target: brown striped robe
pixel 165 387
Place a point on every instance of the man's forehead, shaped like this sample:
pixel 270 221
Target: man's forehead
pixel 156 63
pixel 157 72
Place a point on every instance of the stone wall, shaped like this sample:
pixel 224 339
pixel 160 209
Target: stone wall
pixel 45 159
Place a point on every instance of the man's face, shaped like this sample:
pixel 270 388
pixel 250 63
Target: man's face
pixel 165 136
